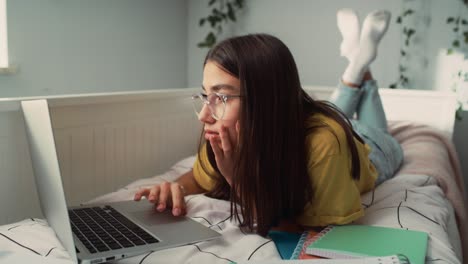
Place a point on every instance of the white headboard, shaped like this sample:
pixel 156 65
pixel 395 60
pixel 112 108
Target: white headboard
pixel 433 108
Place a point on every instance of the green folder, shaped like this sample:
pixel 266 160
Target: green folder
pixel 353 241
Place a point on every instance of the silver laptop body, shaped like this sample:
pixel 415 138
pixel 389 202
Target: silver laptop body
pixel 170 231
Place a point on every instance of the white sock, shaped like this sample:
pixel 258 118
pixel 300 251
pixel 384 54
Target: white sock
pixel 374 27
pixel 348 24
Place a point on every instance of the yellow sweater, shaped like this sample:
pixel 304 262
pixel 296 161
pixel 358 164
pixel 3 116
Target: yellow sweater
pixel 336 196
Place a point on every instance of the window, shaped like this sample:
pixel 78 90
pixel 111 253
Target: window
pixel 4 63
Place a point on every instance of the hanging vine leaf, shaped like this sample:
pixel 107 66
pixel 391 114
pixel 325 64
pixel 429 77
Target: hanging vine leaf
pixel 407 32
pixel 408 12
pixel 456 43
pixel 450 20
pixel 202 22
pixel 210 40
pixel 239 3
pixel 230 12
pixel 224 11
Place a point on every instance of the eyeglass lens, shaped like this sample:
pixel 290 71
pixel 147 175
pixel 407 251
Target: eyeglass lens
pixel 215 105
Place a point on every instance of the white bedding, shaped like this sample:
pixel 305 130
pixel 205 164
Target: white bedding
pixel 408 200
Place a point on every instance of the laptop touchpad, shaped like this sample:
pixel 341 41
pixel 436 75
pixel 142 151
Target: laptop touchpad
pixel 153 217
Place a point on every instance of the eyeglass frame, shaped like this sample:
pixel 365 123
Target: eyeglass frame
pixel 205 101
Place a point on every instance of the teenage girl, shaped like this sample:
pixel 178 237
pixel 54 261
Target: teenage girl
pixel 277 154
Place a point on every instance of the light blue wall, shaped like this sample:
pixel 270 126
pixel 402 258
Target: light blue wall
pixel 309 30
pixel 84 46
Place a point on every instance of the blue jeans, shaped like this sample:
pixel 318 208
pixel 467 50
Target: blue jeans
pixel 371 124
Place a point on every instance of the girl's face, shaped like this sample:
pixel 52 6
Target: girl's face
pixel 216 80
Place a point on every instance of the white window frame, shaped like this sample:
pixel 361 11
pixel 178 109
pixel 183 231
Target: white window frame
pixel 4 60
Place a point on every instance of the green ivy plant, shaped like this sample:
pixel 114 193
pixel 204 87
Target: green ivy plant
pixel 459 43
pixel 222 12
pixel 460 28
pixel 408 33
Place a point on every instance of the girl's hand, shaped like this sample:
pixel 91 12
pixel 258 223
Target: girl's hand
pixel 165 195
pixel 225 150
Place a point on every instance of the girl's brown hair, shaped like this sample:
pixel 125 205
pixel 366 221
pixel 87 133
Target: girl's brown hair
pixel 271 179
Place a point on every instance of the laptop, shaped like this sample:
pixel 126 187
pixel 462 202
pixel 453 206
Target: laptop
pixel 100 232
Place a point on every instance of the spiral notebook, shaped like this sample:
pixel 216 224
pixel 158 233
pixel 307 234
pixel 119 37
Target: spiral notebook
pixel 393 259
pixel 357 241
pixel 305 240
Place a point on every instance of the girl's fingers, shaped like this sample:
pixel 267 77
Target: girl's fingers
pixel 237 131
pixel 154 194
pixel 178 202
pixel 164 193
pixel 141 193
pixel 216 149
pixel 225 142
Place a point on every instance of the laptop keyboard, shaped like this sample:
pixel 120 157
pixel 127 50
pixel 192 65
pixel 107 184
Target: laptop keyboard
pixel 104 229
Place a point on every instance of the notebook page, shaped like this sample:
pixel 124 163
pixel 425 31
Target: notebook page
pixel 393 259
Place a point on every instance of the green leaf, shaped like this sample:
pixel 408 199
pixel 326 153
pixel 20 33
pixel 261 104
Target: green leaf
pixel 408 12
pixel 403 53
pixel 213 20
pixel 211 2
pixel 393 85
pixel 464 22
pixel 450 20
pixel 411 32
pixel 210 38
pixel 398 20
pixel 449 51
pixel 231 13
pixel 456 43
pixel 240 3
pixel 455 29
pixel 458 113
pixel 202 45
pixel 202 22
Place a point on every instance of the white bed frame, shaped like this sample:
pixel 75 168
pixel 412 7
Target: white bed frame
pixel 105 141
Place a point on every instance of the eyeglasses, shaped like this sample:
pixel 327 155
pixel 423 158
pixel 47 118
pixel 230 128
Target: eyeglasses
pixel 216 103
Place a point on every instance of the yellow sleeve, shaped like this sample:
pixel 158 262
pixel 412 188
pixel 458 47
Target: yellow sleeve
pixel 206 179
pixel 336 197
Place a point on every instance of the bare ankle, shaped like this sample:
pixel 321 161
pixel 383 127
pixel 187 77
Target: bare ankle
pixel 353 85
pixel 367 76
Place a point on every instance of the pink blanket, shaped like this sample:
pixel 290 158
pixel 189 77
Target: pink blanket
pixel 430 152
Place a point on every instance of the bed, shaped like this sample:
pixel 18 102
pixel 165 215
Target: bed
pixel 426 194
